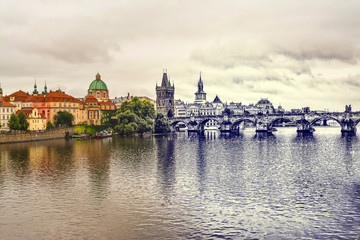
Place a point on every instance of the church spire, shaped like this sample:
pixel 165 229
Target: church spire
pixel 1 93
pixel 45 88
pixel 200 85
pixel 165 81
pixel 200 95
pixel 35 88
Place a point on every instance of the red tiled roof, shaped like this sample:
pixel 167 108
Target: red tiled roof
pixel 18 96
pixel 51 97
pixel 26 111
pixel 107 103
pixel 90 99
pixel 6 104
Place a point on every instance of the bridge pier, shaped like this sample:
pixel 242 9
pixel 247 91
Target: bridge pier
pixel 262 127
pixel 348 126
pixel 192 126
pixel 225 127
pixel 303 126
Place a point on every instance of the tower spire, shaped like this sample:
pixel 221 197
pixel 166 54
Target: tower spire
pixel 1 93
pixel 35 88
pixel 165 81
pixel 45 88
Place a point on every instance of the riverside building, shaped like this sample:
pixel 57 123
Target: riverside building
pixel 48 104
pixel 6 109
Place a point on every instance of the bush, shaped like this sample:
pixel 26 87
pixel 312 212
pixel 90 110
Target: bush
pixel 49 125
pixel 135 116
pixel 161 124
pixel 63 119
pixel 13 122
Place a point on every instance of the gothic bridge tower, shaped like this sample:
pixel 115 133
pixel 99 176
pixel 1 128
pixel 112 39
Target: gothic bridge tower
pixel 165 97
pixel 200 95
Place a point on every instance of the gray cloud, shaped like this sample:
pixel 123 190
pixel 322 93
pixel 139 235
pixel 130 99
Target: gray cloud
pixel 352 81
pixel 246 50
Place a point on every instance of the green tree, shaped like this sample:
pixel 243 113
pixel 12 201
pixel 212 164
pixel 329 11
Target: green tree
pixel 13 122
pixel 23 123
pixel 148 109
pixel 63 119
pixel 0 125
pixel 135 116
pixel 127 123
pixel 161 124
pixel 107 117
pixel 49 125
pixel 91 129
pixel 142 108
pixel 80 129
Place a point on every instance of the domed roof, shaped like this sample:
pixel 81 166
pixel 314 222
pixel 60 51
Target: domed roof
pixel 264 101
pixel 98 84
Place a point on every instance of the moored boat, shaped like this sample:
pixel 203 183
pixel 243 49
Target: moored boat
pixel 103 134
pixel 80 136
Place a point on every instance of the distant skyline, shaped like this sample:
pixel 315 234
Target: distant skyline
pixel 295 53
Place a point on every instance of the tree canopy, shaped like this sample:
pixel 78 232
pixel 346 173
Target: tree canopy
pixel 23 123
pixel 49 125
pixel 161 124
pixel 13 122
pixel 142 108
pixel 63 119
pixel 107 117
pixel 135 116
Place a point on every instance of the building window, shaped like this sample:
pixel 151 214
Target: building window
pixel 97 95
pixel 104 95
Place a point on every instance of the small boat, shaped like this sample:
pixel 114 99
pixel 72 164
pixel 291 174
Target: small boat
pixel 80 136
pixel 103 134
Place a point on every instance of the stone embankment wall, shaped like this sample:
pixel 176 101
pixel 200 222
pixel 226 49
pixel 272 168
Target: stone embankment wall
pixel 36 136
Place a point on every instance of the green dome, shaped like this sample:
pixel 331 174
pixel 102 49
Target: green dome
pixel 98 84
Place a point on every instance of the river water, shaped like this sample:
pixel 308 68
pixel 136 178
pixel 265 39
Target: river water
pixel 183 187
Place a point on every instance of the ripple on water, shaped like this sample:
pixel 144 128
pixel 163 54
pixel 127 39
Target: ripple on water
pixel 180 187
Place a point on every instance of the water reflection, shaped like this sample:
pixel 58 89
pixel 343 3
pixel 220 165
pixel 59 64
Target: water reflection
pixel 349 141
pixel 19 161
pixel 98 157
pixel 166 165
pixel 201 164
pixel 228 186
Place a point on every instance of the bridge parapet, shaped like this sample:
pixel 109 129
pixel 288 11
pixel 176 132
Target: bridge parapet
pixel 304 122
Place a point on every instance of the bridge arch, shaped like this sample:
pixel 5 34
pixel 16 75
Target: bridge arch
pixel 324 118
pixel 283 119
pixel 239 121
pixel 173 124
pixel 201 125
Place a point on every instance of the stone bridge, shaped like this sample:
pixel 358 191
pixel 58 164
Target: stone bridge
pixel 265 123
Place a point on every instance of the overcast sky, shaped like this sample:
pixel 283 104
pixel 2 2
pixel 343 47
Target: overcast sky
pixel 297 53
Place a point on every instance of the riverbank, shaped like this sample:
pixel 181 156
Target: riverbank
pixel 36 136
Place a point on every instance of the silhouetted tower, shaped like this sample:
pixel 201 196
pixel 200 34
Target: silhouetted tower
pixel 165 103
pixel 200 95
pixel 45 88
pixel 35 88
pixel 1 93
